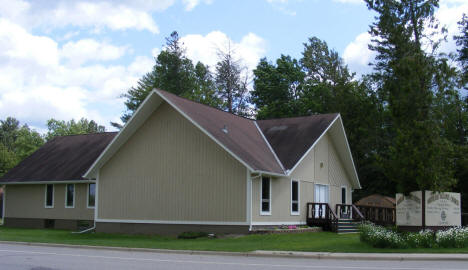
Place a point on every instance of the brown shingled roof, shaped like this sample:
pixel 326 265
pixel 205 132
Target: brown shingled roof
pixel 243 138
pixel 290 138
pixel 62 158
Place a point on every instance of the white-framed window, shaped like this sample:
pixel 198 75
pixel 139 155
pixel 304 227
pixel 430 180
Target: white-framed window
pixel 343 195
pixel 265 196
pixel 70 196
pixel 295 191
pixel 49 196
pixel 91 198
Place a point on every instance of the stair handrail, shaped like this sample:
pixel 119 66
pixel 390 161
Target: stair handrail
pixel 356 210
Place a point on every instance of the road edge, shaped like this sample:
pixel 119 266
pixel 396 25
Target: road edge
pixel 267 253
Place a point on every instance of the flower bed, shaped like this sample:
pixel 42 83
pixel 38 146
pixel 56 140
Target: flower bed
pixel 382 237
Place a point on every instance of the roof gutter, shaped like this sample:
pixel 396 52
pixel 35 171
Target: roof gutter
pixel 49 182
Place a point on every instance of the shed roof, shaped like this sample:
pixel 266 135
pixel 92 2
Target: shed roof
pixel 64 158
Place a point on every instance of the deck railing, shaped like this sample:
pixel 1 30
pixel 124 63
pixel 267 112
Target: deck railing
pixel 378 215
pixel 321 214
pixel 348 211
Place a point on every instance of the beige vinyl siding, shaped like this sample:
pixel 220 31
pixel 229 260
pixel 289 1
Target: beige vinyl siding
pixel 169 170
pixel 28 201
pixel 281 200
pixel 309 172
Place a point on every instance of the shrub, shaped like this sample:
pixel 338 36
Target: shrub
pixel 453 237
pixel 192 235
pixel 380 237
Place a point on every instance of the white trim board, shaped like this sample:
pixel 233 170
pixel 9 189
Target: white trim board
pixel 188 222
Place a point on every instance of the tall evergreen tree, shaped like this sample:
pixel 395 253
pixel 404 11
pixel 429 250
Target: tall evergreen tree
pixel 419 158
pixel 175 73
pixel 232 81
pixel 462 43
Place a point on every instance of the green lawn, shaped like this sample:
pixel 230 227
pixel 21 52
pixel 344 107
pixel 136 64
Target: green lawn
pixel 323 241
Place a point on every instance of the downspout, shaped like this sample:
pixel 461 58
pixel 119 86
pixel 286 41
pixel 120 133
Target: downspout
pixel 95 209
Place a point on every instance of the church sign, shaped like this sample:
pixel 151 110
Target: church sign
pixel 443 209
pixel 409 209
pixel 428 209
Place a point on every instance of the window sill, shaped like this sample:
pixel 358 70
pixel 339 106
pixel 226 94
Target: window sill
pixel 265 213
pixel 295 214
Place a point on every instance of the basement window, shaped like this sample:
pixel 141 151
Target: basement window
pixel 49 196
pixel 70 196
pixel 265 202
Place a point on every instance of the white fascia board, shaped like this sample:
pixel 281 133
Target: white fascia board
pixel 269 146
pixel 351 156
pixel 313 145
pixel 188 222
pixel 269 173
pixel 137 119
pixel 49 182
pixel 204 131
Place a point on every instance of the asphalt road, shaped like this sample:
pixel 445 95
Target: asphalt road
pixel 16 257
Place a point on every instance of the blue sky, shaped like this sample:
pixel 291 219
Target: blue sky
pixel 73 59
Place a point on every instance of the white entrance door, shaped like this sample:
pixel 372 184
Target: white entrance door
pixel 321 196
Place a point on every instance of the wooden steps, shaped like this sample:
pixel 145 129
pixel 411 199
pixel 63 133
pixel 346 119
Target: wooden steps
pixel 347 226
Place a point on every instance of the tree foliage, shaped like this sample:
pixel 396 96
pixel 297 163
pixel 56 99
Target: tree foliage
pixel 72 127
pixel 419 158
pixel 16 143
pixel 175 73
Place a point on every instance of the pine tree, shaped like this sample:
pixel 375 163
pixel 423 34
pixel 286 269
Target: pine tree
pixel 419 158
pixel 232 82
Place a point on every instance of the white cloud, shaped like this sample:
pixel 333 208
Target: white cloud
pixel 37 83
pixel 205 48
pixel 357 54
pixel 84 50
pixel 191 4
pixel 98 14
pixel 93 14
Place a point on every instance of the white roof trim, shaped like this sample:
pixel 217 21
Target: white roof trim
pixel 204 131
pixel 92 171
pixel 351 155
pixel 269 146
pixel 313 145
